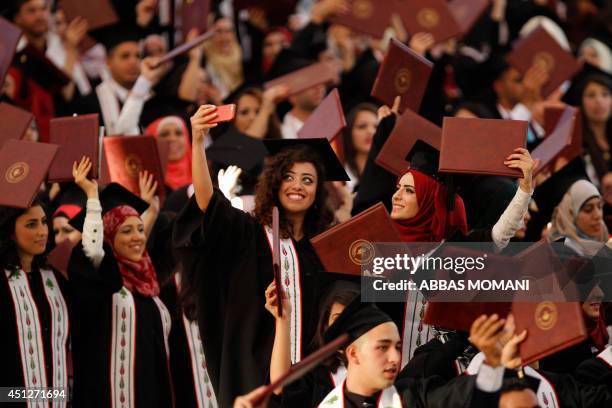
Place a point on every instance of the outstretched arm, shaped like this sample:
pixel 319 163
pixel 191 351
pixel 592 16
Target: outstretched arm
pixel 202 182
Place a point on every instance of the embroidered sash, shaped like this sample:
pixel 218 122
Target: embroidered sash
pixel 123 345
pixel 29 332
pixel 415 332
pixel 204 392
pixel 389 398
pixel 290 276
pixel 547 396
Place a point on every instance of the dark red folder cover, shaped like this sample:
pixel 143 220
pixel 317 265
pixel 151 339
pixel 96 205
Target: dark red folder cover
pixel 126 156
pixel 76 136
pixel 551 327
pixel 302 79
pixel 9 37
pixel 405 73
pixel 409 128
pixel 327 120
pixel 480 146
pixel 432 16
pixel 19 120
pixel 23 167
pixel 366 16
pixel 539 47
pixel 346 247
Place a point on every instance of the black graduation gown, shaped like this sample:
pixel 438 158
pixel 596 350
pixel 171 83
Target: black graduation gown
pixel 433 392
pixel 595 372
pixel 226 256
pixel 11 373
pixel 572 393
pixel 307 391
pixel 91 294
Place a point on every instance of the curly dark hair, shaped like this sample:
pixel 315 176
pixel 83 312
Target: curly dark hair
pixel 318 217
pixel 9 257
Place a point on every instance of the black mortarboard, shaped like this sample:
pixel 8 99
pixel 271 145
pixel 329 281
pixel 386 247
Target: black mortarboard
pixel 333 167
pixel 114 35
pixel 238 149
pixel 113 195
pixel 573 96
pixel 356 319
pixel 426 159
pixel 70 194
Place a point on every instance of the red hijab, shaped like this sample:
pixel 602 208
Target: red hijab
pixel 178 173
pixel 137 276
pixel 433 222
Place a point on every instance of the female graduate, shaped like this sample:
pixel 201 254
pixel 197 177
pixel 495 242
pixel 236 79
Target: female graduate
pixel 35 323
pixel 227 256
pixel 120 327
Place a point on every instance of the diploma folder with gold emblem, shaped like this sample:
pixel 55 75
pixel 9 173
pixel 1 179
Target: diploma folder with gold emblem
pixel 23 167
pixel 76 136
pixel 551 327
pixel 346 247
pixel 405 73
pixel 126 156
pixel 366 16
pixel 541 48
pixel 431 16
pixel 409 128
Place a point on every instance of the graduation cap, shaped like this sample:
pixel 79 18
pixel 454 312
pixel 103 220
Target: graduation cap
pixel 70 202
pixel 114 195
pixel 356 319
pixel 234 147
pixel 573 96
pixel 333 168
pixel 114 35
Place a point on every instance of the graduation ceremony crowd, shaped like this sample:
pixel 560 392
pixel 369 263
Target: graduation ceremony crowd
pixel 167 294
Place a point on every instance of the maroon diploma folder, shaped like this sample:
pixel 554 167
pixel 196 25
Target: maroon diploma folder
pixel 539 47
pixel 346 247
pixel 480 146
pixel 302 79
pixel 551 327
pixel 23 167
pixel 126 156
pixel 19 120
pixel 76 136
pixel 405 73
pixel 409 128
pixel 327 120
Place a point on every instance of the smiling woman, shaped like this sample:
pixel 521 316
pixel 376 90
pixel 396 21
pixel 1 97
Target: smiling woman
pixel 227 256
pixel 33 346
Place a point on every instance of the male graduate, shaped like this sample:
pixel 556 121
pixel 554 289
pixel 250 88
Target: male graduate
pixel 374 358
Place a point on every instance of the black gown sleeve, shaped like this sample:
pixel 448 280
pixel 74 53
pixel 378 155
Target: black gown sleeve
pixel 434 392
pixel 220 227
pixel 595 372
pixel 90 283
pixel 436 358
pixel 572 393
pixel 376 183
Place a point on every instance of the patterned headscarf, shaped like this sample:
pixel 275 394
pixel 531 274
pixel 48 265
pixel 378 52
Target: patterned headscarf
pixel 137 276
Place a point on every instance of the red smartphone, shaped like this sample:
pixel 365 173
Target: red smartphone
pixel 225 113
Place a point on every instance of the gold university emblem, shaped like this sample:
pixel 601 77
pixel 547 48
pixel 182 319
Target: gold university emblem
pixel 17 172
